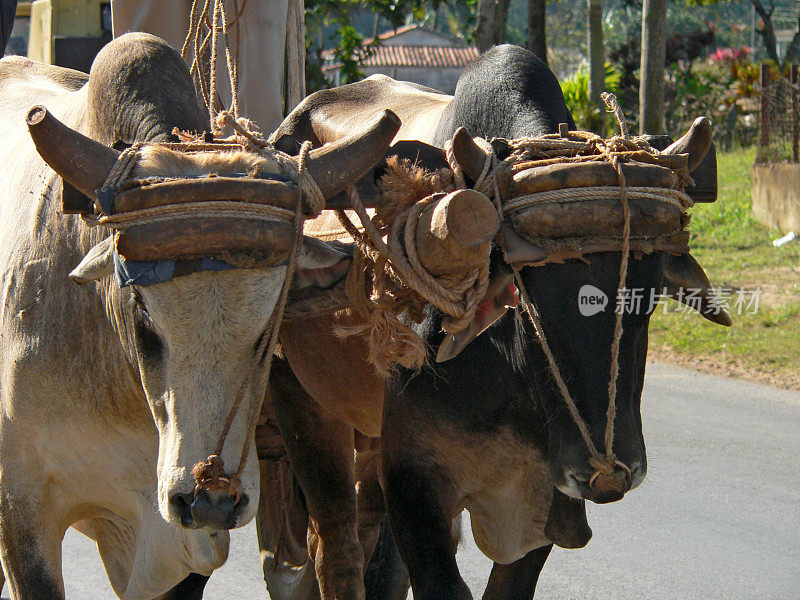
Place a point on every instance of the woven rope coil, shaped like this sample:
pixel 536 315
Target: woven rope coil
pixel 676 198
pixel 388 279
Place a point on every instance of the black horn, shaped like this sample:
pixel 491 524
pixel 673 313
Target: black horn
pixel 339 164
pixel 81 161
pixel 695 143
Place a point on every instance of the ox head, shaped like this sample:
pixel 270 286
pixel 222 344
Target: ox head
pixel 575 299
pixel 195 337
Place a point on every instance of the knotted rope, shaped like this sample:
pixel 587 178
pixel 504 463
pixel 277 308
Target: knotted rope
pixel 206 22
pixel 401 283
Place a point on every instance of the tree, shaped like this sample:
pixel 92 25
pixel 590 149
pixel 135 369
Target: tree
pixel 654 49
pixel 767 33
pixel 349 46
pixel 537 32
pixel 597 59
pixel 490 26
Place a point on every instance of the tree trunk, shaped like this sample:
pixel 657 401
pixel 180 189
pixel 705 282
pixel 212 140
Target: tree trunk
pixel 654 50
pixel 768 31
pixel 537 32
pixel 295 77
pixel 490 28
pixel 597 60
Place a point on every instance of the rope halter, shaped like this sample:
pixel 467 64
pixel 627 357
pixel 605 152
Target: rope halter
pixel 583 148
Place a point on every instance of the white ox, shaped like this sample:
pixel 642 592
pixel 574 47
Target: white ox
pixel 110 395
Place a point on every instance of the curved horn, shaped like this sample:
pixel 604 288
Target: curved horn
pixel 468 154
pixel 343 162
pixel 81 161
pixel 695 143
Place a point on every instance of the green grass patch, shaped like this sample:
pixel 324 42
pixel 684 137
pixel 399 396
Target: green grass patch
pixel 737 252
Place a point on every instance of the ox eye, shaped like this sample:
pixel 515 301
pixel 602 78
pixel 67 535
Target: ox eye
pixel 148 343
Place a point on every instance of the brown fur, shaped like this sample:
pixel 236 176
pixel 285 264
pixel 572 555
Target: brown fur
pixel 165 162
pixel 405 183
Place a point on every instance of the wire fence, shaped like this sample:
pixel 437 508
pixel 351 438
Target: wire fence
pixel 779 115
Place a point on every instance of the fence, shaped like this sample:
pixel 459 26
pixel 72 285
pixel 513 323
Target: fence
pixel 779 115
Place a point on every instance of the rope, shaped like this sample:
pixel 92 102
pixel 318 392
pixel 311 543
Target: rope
pixel 123 167
pixel 190 210
pixel 675 198
pixel 556 372
pixel 212 17
pixel 457 297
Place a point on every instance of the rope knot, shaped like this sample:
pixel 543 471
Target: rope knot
pixel 210 475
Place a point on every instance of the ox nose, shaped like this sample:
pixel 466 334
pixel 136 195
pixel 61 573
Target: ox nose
pixel 609 487
pixel 201 510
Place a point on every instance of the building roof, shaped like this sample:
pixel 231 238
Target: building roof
pixel 450 52
pixel 420 56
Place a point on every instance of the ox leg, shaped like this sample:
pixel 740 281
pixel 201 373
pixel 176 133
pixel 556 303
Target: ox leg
pixel 517 581
pixel 320 448
pixel 386 577
pixel 31 555
pixel 371 508
pixel 419 508
pixel 190 588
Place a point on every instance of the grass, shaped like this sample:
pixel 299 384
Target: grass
pixel 736 252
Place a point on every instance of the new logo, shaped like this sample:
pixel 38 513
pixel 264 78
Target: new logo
pixel 591 300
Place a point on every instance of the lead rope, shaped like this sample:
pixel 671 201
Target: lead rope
pixel 216 23
pixel 210 473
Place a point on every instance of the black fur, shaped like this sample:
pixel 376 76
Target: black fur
pixel 507 93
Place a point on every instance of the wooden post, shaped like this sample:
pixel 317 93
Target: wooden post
pixel 764 113
pixel 795 114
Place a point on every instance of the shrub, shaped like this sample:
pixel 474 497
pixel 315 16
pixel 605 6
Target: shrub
pixel 576 94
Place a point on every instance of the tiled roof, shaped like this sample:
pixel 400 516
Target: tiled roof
pixel 418 56
pixel 421 56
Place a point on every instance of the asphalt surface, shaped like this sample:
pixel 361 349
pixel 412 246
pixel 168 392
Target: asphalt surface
pixel 717 518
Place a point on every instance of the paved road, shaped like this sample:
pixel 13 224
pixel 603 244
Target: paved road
pixel 718 516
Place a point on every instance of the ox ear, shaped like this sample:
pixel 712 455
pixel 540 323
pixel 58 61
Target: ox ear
pixel 501 295
pixel 97 263
pixel 320 265
pixel 686 282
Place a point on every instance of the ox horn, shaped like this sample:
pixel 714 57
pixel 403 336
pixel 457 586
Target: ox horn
pixel 339 164
pixel 468 154
pixel 81 161
pixel 695 142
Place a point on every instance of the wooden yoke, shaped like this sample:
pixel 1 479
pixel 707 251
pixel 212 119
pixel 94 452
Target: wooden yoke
pixel 455 232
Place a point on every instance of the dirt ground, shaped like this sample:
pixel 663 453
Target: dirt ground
pixel 716 366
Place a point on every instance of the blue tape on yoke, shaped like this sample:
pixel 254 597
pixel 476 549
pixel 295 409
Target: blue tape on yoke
pixel 144 273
